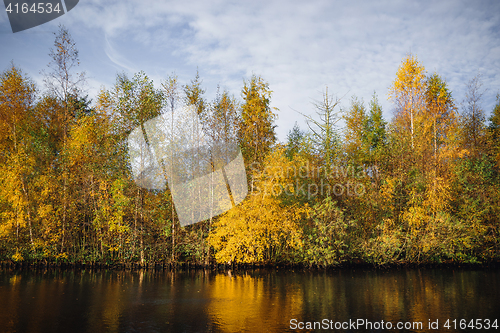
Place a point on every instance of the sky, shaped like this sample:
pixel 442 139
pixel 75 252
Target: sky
pixel 298 47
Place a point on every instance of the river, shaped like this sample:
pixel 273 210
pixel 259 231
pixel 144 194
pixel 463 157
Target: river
pixel 260 300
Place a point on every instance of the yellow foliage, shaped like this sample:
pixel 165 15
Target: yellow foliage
pixel 438 195
pixel 61 256
pixel 262 225
pixel 17 256
pixel 387 191
pixel 409 83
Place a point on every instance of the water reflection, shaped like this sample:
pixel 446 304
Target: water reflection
pixel 230 301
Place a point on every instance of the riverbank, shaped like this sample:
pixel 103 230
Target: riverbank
pixel 493 264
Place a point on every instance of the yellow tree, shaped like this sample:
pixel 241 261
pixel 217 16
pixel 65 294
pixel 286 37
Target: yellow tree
pixel 194 95
pixel 426 115
pixel 93 173
pixel 263 227
pixel 256 128
pixel 440 130
pixel 405 133
pixel 408 94
pixel 64 85
pixel 441 118
pixel 17 163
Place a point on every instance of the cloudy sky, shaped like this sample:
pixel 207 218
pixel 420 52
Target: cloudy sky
pixel 299 47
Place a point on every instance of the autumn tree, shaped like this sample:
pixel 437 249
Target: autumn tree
pixel 263 228
pixel 407 93
pixel 223 119
pixel 221 125
pixel 17 160
pixel 194 95
pixel 440 128
pixel 65 86
pixel 97 183
pixel 405 134
pixel 256 127
pixel 17 99
pixel 440 107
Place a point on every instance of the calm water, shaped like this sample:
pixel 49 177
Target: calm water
pixel 252 301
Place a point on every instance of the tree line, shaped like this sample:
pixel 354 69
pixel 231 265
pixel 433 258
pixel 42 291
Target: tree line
pixel 423 187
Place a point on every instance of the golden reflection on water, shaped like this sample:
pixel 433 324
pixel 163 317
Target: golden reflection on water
pixel 251 302
pixel 231 301
pixel 268 302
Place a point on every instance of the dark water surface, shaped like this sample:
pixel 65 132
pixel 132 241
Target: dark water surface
pixel 251 301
